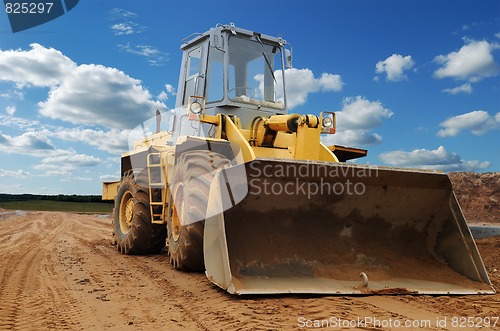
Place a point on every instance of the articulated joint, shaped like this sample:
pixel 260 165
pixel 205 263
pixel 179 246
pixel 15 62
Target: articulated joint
pixel 311 121
pixel 291 123
pixel 287 123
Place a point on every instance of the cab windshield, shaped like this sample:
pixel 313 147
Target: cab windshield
pixel 255 73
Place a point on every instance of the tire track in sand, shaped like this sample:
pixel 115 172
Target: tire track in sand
pixel 75 279
pixel 22 291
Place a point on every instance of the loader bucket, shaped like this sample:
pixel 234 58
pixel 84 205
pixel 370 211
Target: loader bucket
pixel 331 228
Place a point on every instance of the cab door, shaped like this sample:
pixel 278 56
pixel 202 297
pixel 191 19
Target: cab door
pixel 194 72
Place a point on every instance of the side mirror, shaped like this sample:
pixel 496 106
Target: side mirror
pixel 288 58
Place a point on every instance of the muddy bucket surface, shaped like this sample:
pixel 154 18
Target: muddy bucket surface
pixel 313 227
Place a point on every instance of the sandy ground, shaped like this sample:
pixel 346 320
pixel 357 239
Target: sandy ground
pixel 60 271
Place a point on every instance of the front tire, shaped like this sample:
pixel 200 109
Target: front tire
pixel 134 233
pixel 192 177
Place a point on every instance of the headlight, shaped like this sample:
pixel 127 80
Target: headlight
pixel 327 122
pixel 195 108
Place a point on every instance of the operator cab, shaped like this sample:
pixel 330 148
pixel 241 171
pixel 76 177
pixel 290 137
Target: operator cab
pixel 237 71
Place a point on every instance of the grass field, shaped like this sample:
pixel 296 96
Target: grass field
pixel 46 205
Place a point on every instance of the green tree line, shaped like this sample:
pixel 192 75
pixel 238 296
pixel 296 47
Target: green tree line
pixel 61 197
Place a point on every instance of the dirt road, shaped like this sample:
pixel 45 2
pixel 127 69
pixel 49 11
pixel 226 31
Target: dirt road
pixel 60 271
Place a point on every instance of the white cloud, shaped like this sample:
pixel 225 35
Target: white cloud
pixel 352 138
pixel 438 159
pixel 54 161
pixel 10 110
pixel 79 160
pixel 170 89
pixel 164 95
pixel 18 122
pixel 154 56
pixel 118 13
pixel 109 178
pixel 127 28
pixel 112 141
pixel 143 50
pixel 478 122
pixel 98 95
pixel 39 66
pixel 13 94
pixel 86 94
pixel 122 28
pixel 76 179
pixel 464 88
pixel 301 82
pixel 360 113
pixel 356 121
pixel 394 67
pixel 14 174
pixel 29 143
pixel 472 62
pixel 329 82
pixel 65 164
pixel 55 169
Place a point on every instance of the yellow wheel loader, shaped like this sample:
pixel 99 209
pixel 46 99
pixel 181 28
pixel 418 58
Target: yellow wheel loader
pixel 237 187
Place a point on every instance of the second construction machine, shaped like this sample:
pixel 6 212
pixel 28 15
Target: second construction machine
pixel 239 188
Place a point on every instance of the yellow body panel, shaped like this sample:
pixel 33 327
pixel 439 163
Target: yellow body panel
pixel 305 144
pixel 326 154
pixel 304 149
pixel 157 139
pixel 285 140
pixel 109 190
pixel 235 135
pixel 275 153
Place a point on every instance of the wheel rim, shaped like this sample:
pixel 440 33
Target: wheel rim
pixel 177 209
pixel 126 212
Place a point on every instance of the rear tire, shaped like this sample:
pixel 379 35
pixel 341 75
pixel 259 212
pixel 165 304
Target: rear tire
pixel 133 231
pixel 192 177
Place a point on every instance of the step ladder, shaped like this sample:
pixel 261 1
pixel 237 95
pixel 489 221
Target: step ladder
pixel 157 188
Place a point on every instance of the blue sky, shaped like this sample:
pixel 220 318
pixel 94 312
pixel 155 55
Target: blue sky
pixel 414 82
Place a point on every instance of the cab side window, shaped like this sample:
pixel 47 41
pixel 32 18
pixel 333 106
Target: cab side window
pixel 192 74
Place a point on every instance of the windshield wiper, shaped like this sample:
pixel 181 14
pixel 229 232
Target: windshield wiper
pixel 267 60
